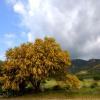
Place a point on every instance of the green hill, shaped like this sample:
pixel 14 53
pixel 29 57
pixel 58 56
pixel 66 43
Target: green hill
pixel 86 69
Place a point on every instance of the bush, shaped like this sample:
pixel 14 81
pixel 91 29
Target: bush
pixel 96 77
pixel 94 85
pixel 56 87
pixel 1 91
pixel 73 82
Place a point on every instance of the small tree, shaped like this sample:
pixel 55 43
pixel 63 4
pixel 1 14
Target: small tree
pixel 34 62
pixel 72 82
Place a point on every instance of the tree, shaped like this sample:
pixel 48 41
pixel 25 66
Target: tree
pixel 1 73
pixel 1 64
pixel 34 62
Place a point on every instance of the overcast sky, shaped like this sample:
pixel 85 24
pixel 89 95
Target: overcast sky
pixel 75 24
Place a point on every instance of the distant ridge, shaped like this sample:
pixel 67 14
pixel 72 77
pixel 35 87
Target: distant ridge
pixel 90 68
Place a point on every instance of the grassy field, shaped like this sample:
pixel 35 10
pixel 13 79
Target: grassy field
pixel 56 95
pixel 87 92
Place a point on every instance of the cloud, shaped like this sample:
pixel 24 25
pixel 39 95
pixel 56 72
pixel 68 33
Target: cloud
pixel 74 23
pixel 10 35
pixel 19 8
pixel 30 37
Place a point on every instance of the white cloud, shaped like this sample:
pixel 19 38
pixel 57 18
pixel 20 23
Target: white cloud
pixel 30 37
pixel 19 8
pixel 34 4
pixel 74 23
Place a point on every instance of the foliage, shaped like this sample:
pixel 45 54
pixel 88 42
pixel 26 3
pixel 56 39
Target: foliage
pixel 72 82
pixel 34 62
pixel 1 64
pixel 56 87
pixel 96 77
pixel 94 85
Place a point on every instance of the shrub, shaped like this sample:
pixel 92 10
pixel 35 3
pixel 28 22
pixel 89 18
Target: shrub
pixel 94 85
pixel 72 82
pixel 56 87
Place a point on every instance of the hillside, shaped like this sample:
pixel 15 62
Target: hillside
pixel 86 69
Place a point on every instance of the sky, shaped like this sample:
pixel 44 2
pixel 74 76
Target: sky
pixel 75 24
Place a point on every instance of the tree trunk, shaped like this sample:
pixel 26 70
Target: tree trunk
pixel 35 84
pixel 22 87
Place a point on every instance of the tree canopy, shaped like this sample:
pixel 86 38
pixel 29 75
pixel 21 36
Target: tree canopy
pixel 34 62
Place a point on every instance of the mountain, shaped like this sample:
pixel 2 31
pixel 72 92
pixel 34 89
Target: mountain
pixel 86 68
pixel 77 65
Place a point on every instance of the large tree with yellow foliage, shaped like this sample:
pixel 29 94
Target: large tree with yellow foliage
pixel 34 62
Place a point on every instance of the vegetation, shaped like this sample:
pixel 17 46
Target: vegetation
pixel 85 92
pixel 1 64
pixel 43 67
pixel 86 69
pixel 33 63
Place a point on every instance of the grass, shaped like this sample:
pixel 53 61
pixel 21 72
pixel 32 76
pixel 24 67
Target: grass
pixel 50 83
pixel 84 93
pixel 88 88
